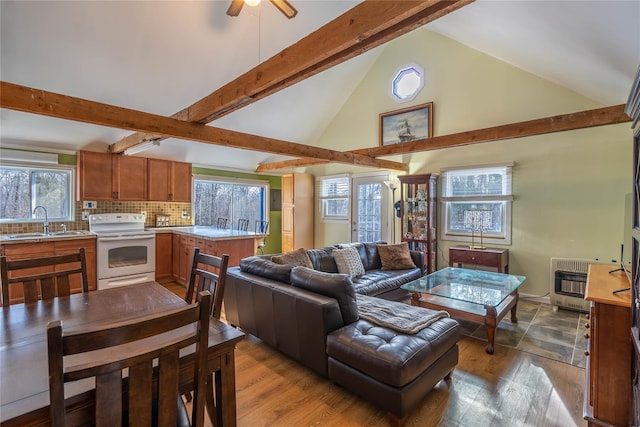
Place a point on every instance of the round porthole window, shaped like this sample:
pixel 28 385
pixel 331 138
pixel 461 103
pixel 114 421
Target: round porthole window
pixel 407 82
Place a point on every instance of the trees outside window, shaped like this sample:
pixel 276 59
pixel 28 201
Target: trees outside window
pixel 215 198
pixel 22 188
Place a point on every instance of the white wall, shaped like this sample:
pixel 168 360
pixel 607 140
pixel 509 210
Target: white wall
pixel 568 187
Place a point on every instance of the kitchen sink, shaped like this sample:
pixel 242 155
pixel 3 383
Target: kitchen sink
pixel 70 233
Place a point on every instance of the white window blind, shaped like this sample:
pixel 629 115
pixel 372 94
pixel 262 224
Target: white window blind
pixel 333 194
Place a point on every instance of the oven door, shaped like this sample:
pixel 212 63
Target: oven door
pixel 130 255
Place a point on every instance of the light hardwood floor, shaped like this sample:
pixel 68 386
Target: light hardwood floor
pixel 510 388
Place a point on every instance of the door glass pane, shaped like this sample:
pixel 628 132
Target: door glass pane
pixel 369 212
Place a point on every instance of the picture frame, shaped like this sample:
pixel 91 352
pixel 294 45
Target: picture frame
pixel 407 124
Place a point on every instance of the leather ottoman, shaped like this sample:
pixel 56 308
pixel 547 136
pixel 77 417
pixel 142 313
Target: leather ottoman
pixel 391 369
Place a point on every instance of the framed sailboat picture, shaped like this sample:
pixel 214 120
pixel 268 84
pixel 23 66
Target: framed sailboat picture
pixel 406 125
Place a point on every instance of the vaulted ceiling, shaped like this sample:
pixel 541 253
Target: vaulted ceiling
pixel 160 57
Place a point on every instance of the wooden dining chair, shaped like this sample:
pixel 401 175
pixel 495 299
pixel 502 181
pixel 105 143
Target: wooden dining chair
pixel 243 224
pixel 221 222
pixel 151 395
pixel 209 272
pixel 43 278
pixel 262 227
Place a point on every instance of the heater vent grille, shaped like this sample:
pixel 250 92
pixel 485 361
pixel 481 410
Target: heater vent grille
pixel 568 281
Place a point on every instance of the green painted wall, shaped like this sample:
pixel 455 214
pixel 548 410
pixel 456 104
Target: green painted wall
pixel 568 187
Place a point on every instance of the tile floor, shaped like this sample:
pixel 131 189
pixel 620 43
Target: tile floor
pixel 556 335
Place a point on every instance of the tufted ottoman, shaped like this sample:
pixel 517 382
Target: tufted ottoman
pixel 391 369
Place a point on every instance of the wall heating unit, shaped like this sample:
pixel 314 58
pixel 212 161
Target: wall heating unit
pixel 568 282
pixel 126 252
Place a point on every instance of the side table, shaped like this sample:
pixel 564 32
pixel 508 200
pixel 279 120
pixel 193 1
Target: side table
pixel 488 257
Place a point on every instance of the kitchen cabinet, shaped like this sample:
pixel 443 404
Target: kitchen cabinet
pixel 608 371
pixel 169 181
pixel 235 248
pixel 44 249
pixel 297 211
pixel 164 254
pixel 185 256
pixel 418 219
pixel 104 176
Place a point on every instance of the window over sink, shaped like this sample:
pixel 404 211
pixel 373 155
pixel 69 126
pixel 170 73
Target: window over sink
pixel 23 187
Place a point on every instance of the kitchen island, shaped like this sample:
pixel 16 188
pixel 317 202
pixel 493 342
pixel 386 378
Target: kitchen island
pixel 174 247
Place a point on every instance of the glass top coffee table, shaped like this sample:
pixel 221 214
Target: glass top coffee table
pixel 475 295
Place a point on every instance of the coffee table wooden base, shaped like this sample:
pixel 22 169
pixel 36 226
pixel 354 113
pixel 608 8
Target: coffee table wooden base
pixel 489 315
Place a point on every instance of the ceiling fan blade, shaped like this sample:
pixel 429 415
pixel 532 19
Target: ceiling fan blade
pixel 285 7
pixel 235 7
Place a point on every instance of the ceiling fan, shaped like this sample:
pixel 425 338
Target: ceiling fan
pixel 282 5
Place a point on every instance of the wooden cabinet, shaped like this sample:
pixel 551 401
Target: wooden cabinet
pixel 103 176
pixel 418 219
pixel 184 255
pixel 608 372
pixel 59 247
pixel 634 250
pixel 297 211
pixel 164 255
pixel 488 257
pixel 235 248
pixel 169 181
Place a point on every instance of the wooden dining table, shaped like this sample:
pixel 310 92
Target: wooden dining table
pixel 24 380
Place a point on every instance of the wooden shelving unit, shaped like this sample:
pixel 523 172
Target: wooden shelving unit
pixel 419 216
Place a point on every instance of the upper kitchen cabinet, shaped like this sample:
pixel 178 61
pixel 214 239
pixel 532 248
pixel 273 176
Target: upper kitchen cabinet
pixel 127 175
pixel 169 181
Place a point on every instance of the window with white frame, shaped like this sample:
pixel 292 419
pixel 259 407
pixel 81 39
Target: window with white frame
pixel 23 187
pixel 333 193
pixel 215 197
pixel 477 204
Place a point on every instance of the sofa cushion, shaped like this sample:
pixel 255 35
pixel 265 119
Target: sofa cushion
pixel 395 257
pixel 338 286
pixel 298 257
pixel 263 267
pixel 348 261
pixel 322 259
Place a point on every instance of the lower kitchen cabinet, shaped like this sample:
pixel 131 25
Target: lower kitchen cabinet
pixel 49 248
pixel 164 255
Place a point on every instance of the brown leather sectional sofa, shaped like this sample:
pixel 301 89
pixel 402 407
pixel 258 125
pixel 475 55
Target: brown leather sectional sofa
pixel 301 312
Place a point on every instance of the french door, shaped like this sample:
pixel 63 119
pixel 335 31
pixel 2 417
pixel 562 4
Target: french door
pixel 369 209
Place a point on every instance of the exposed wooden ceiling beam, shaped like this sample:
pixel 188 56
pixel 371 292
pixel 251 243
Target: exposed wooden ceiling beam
pixel 21 98
pixel 362 28
pixel 561 123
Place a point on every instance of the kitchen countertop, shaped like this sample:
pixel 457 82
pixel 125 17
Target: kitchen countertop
pixel 45 237
pixel 206 232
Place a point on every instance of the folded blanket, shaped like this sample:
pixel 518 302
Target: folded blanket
pixel 408 319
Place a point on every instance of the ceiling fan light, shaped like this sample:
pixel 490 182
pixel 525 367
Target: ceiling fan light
pixel 252 2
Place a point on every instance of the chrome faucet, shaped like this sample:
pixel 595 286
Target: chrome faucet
pixel 45 225
pixel 64 227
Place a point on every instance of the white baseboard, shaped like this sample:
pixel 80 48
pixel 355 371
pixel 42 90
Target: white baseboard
pixel 544 299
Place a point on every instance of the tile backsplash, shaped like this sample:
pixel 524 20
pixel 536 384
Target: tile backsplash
pixel 151 208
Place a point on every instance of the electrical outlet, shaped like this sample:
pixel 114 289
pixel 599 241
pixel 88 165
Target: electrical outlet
pixel 185 214
pixel 143 213
pixel 88 204
pixel 85 215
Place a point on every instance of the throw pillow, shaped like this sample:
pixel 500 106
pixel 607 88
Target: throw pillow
pixel 348 261
pixel 333 285
pixel 395 257
pixel 298 257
